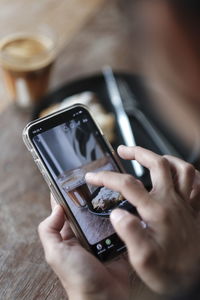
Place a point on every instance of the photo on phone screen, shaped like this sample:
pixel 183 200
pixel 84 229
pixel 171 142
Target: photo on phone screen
pixel 69 149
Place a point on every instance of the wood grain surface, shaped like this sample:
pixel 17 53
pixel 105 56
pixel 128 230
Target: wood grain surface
pixel 103 38
pixel 64 18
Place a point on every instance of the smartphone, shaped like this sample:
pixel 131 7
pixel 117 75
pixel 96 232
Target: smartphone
pixel 65 146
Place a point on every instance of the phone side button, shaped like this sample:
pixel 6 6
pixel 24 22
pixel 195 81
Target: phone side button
pixel 46 177
pixel 35 157
pixel 39 165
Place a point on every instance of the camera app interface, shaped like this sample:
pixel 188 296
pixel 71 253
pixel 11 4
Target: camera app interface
pixel 70 150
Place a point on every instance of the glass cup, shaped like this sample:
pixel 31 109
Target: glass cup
pixel 77 189
pixel 26 59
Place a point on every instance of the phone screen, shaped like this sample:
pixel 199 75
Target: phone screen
pixel 70 146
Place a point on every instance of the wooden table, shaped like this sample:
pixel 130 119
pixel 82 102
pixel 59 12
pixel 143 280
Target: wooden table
pixel 100 35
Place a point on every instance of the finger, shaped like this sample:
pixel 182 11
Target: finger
pixel 185 174
pixel 53 201
pixel 131 231
pixel 66 232
pixel 126 184
pixel 195 193
pixel 158 166
pixel 49 229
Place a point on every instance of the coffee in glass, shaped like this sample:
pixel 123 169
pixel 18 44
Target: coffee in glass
pixel 26 60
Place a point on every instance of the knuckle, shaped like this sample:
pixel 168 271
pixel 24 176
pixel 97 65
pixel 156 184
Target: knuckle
pixel 128 223
pixel 189 170
pixel 167 156
pixel 161 162
pixel 102 177
pixel 102 173
pixel 137 148
pixel 127 181
pixel 147 259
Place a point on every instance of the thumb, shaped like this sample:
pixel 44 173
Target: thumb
pixel 49 229
pixel 130 229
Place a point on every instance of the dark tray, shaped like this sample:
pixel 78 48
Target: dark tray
pixel 96 84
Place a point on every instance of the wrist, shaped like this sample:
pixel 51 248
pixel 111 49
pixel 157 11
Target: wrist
pixel 102 294
pixel 89 296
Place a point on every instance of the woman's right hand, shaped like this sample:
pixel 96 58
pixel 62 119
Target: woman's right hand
pixel 165 254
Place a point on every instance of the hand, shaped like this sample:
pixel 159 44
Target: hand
pixel 166 255
pixel 82 275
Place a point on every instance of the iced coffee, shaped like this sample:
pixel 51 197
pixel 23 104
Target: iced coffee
pixel 79 193
pixel 77 189
pixel 26 60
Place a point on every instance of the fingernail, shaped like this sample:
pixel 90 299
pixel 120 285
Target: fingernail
pixel 89 176
pixel 122 147
pixel 117 215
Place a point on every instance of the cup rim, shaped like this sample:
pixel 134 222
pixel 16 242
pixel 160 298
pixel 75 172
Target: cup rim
pixel 37 60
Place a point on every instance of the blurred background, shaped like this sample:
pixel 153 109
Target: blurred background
pixel 156 40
